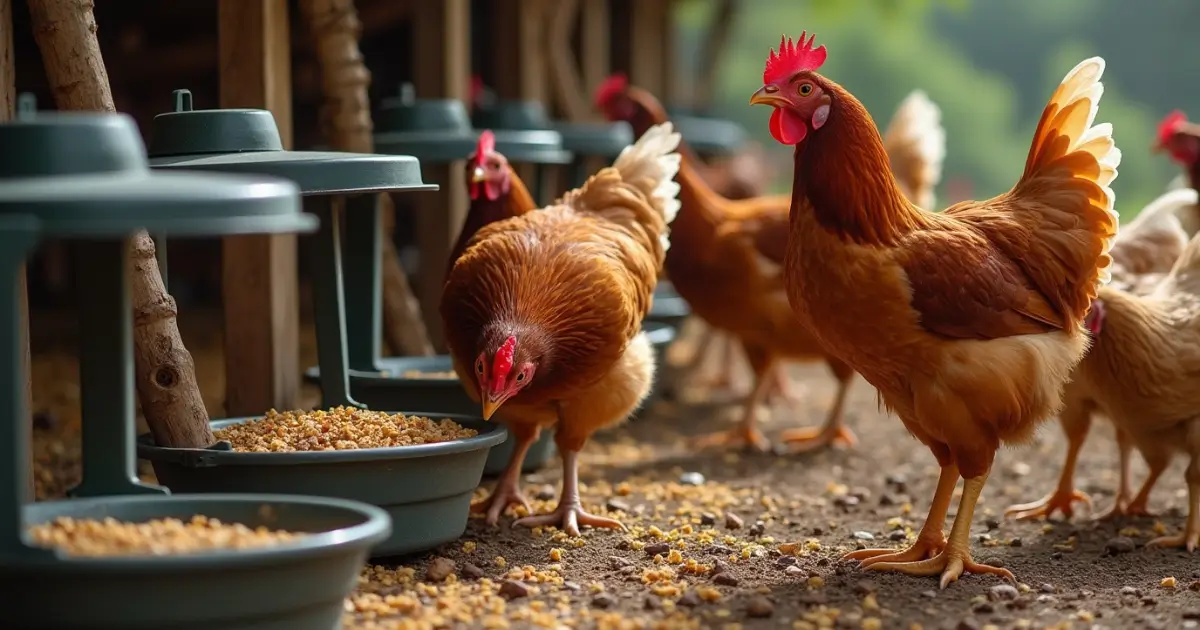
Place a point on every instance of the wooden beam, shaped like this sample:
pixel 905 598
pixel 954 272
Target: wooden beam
pixel 596 36
pixel 519 49
pixel 442 46
pixel 648 50
pixel 262 320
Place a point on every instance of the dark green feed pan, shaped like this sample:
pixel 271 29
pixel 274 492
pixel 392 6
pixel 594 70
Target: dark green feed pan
pixel 432 130
pixel 524 133
pixel 668 308
pixel 297 585
pixel 426 489
pixel 595 139
pixel 436 395
pixel 709 136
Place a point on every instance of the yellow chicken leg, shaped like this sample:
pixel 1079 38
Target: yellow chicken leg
pixel 1125 503
pixel 931 540
pixel 508 487
pixel 955 559
pixel 746 431
pixel 1190 538
pixel 834 431
pixel 569 514
pixel 1076 420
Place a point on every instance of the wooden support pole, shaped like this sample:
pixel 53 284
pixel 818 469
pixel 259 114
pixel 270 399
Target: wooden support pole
pixel 262 320
pixel 442 47
pixel 519 49
pixel 65 31
pixel 596 40
pixel 346 120
pixel 648 50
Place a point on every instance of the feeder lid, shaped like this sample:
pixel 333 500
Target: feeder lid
pixel 709 136
pixel 524 132
pixel 600 139
pixel 85 175
pixel 247 141
pixel 434 130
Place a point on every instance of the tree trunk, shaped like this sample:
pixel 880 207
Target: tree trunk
pixel 346 120
pixel 65 31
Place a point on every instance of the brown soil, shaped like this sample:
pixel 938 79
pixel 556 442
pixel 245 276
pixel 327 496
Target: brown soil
pixel 811 505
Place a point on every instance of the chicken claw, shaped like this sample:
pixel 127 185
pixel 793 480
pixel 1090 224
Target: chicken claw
pixel 951 563
pixel 921 549
pixel 1058 501
pixel 737 436
pixel 1121 509
pixel 568 518
pixel 504 495
pixel 813 438
pixel 1188 540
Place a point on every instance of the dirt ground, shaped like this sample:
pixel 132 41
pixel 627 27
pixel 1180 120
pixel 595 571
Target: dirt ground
pixel 686 562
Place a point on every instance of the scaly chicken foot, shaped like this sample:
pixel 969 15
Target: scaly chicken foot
pixel 834 431
pixel 508 487
pixel 1190 538
pixel 930 541
pixel 569 514
pixel 1125 503
pixel 744 434
pixel 1140 504
pixel 1061 500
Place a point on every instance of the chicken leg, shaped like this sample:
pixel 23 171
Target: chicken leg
pixel 508 487
pixel 1076 420
pixel 1124 495
pixel 930 540
pixel 834 431
pixel 746 431
pixel 1190 537
pixel 955 558
pixel 1140 505
pixel 569 514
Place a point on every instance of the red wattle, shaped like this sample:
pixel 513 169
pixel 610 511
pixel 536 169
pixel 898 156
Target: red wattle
pixel 787 127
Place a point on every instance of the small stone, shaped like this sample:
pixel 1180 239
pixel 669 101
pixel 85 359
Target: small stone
pixel 657 549
pixel 823 561
pixel 471 571
pixel 759 607
pixel 689 599
pixel 967 624
pixel 786 561
pixel 818 531
pixel 991 524
pixel 929 594
pixel 1046 599
pixel 1057 555
pixel 718 566
pixel 572 586
pixel 604 600
pixel 897 535
pixel 439 569
pixel 617 562
pixel 886 499
pixel 897 481
pixel 1016 542
pixel 708 519
pixel 733 521
pixel 724 579
pixel 1119 545
pixel 794 571
pixel 617 505
pixel 513 589
pixel 1003 592
pixel 718 550
pixel 846 502
pixel 983 608
pixel 861 535
pixel 691 479
pixel 983 538
pixel 544 493
pixel 1130 590
pixel 758 529
pixel 1047 587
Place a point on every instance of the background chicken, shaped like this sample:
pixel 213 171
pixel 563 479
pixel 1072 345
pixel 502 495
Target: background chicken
pixel 727 254
pixel 969 321
pixel 1143 253
pixel 496 191
pixel 543 313
pixel 1180 139
pixel 1144 371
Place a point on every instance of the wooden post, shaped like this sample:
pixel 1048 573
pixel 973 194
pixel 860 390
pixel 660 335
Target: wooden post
pixel 262 319
pixel 648 50
pixel 346 118
pixel 519 49
pixel 65 31
pixel 442 47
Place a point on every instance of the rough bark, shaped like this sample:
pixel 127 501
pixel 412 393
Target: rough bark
pixel 65 31
pixel 346 121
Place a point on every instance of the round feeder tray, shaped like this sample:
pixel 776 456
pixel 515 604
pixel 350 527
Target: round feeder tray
pixel 391 389
pixel 668 307
pixel 426 489
pixel 85 175
pixel 597 139
pixel 524 133
pixel 247 141
pixel 709 136
pixel 297 585
pixel 433 130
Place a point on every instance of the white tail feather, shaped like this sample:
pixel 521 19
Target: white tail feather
pixel 651 163
pixel 916 130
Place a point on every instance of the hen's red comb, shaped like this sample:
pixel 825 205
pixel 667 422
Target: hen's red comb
pixel 1170 125
pixel 502 364
pixel 793 57
pixel 486 145
pixel 612 86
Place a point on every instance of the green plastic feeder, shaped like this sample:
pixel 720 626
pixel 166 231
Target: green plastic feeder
pixel 85 177
pixel 709 137
pixel 426 489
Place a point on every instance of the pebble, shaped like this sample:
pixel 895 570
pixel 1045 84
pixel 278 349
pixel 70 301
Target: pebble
pixel 1130 590
pixel 1119 545
pixel 572 586
pixel 657 549
pixel 733 521
pixel 691 479
pixel 1003 592
pixel 886 499
pixel 513 589
pixel 967 624
pixel 719 566
pixel 982 538
pixel 545 493
pixel 689 599
pixel 794 571
pixel 617 562
pixel 604 600
pixel 758 529
pixel 1016 542
pixel 898 534
pixel 439 569
pixel 929 594
pixel 617 505
pixel 1057 555
pixel 724 579
pixel 471 571
pixel 861 535
pixel 1047 587
pixel 786 561
pixel 898 481
pixel 708 519
pixel 992 524
pixel 846 502
pixel 719 550
pixel 759 607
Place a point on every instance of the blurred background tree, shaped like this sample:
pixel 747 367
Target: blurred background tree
pixel 990 66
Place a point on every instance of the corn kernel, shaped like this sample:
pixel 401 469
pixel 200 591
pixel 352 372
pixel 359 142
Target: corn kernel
pixel 674 557
pixel 501 562
pixel 816 581
pixel 1167 582
pixel 556 555
pixel 871 623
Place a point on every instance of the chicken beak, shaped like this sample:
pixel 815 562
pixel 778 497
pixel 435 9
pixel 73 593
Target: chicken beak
pixel 490 407
pixel 768 95
pixel 478 176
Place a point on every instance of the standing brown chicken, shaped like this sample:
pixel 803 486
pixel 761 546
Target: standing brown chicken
pixel 543 313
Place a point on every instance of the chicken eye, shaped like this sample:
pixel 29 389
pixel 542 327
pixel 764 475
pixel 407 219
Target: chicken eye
pixel 805 89
pixel 520 376
pixel 479 366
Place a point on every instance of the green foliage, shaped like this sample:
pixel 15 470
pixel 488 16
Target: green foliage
pixel 990 66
